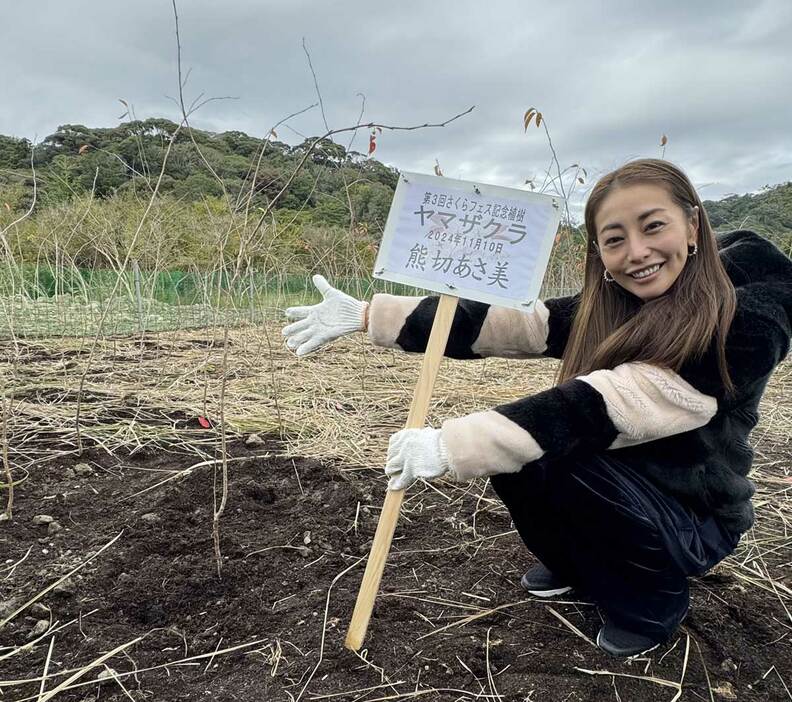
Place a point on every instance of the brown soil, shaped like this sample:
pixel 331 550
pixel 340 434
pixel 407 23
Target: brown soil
pixel 289 530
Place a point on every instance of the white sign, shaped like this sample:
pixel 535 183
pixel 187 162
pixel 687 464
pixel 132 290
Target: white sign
pixel 471 240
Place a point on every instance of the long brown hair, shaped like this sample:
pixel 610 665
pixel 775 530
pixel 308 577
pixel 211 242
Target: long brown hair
pixel 612 326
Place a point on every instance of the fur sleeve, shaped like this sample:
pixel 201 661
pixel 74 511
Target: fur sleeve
pixel 632 404
pixel 479 330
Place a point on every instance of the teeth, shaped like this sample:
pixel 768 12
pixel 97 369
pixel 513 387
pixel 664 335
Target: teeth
pixel 646 271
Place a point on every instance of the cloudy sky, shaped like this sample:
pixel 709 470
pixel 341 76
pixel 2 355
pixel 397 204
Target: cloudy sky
pixel 610 77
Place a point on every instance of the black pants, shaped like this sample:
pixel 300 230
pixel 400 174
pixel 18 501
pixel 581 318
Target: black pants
pixel 605 529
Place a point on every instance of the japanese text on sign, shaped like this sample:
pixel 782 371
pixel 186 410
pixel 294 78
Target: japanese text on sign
pixel 483 239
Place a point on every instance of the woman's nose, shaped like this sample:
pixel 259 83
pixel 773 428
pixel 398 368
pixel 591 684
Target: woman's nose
pixel 637 249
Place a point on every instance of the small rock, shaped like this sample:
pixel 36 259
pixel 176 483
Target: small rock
pixel 83 469
pixel 8 606
pixel 304 551
pixel 69 473
pixel 151 517
pixel 254 440
pixel 41 626
pixel 39 610
pixel 41 519
pixel 307 538
pixel 53 528
pixel 106 673
pixel 124 578
pixel 64 588
pixel 725 690
pixel 728 666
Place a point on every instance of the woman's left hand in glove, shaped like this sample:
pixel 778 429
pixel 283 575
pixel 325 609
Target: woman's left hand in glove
pixel 413 454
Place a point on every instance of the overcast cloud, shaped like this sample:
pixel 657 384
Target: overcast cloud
pixel 609 77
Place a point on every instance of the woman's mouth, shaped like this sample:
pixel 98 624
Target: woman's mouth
pixel 647 273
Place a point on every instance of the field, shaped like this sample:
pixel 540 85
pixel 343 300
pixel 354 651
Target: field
pixel 110 586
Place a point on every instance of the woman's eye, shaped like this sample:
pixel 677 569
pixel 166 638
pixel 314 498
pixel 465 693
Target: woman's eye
pixel 652 225
pixel 612 241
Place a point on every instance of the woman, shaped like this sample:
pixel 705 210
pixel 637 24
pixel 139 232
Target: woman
pixel 630 474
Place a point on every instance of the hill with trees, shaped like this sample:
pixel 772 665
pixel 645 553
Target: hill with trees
pixel 209 176
pixel 335 187
pixel 768 212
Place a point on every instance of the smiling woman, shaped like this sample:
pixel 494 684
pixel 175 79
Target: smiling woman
pixel 655 287
pixel 631 473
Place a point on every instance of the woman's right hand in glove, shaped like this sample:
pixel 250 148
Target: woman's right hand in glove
pixel 337 315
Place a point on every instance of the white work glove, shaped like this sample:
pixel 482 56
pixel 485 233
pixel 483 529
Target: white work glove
pixel 413 454
pixel 337 315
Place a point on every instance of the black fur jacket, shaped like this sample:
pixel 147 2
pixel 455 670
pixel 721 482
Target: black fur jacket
pixel 680 429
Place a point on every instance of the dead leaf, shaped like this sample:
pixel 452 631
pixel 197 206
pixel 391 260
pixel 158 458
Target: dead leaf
pixel 664 140
pixel 528 116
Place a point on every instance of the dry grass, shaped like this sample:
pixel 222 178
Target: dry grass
pixel 340 404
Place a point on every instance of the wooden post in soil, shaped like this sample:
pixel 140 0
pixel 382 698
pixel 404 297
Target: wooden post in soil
pixel 386 526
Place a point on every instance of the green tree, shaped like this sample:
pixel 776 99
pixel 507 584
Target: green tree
pixel 331 211
pixel 14 153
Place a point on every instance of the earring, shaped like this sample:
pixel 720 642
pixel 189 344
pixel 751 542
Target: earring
pixel 694 251
pixel 607 277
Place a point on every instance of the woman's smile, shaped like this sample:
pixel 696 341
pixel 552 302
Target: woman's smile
pixel 645 274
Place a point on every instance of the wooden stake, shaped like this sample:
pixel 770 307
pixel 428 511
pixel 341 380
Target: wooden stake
pixel 386 526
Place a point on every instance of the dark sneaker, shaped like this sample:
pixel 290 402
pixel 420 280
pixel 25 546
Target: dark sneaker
pixel 625 644
pixel 541 582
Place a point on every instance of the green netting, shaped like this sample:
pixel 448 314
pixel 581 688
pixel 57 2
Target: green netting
pixel 40 301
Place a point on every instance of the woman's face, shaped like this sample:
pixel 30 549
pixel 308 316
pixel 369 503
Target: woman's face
pixel 643 238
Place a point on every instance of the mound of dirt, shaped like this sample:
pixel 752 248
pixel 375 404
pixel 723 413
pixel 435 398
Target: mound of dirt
pixel 451 622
